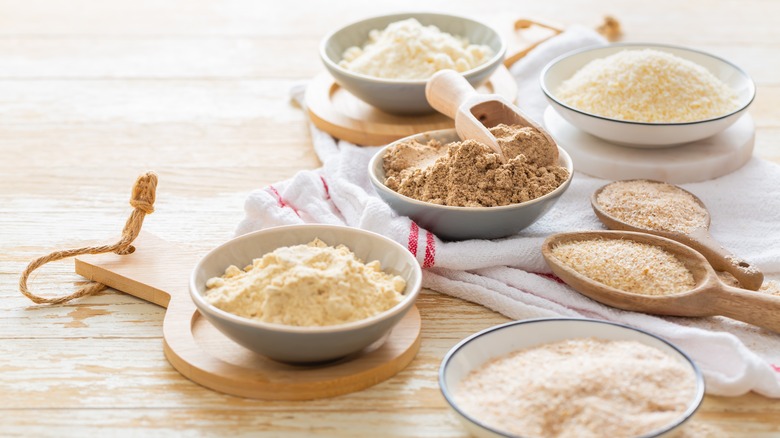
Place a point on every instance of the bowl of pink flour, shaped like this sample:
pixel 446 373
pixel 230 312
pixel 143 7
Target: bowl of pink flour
pixel 564 377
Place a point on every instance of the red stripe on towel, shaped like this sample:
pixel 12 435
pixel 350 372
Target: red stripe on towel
pixel 430 250
pixel 414 233
pixel 280 200
pixel 550 276
pixel 776 367
pixel 325 184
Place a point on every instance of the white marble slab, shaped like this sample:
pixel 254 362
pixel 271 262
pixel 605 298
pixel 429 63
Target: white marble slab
pixel 706 159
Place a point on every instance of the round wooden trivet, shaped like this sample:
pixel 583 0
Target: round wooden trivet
pixel 242 372
pixel 344 116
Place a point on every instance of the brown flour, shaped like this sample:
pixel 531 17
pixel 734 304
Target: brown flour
pixel 469 174
pixel 527 141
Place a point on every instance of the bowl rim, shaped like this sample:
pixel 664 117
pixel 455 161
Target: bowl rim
pixel 685 416
pixel 491 63
pixel 414 285
pixel 379 185
pixel 552 64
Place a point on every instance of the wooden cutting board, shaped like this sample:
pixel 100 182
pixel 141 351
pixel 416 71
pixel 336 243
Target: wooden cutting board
pixel 159 271
pixel 344 116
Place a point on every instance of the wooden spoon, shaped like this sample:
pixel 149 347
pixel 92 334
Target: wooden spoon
pixel 451 94
pixel 709 296
pixel 699 239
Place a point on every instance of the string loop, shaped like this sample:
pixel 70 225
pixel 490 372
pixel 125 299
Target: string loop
pixel 142 200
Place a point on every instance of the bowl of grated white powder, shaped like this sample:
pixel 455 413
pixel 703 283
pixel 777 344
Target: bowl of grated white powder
pixel 386 61
pixel 306 293
pixel 647 95
pixel 564 377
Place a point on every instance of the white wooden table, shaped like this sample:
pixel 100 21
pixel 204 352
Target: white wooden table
pixel 93 93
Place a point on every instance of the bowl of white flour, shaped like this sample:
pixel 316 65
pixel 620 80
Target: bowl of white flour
pixel 386 61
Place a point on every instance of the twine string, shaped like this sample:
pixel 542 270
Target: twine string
pixel 142 200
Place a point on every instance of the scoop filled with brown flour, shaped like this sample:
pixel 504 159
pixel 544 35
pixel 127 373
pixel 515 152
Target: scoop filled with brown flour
pixel 580 388
pixel 470 174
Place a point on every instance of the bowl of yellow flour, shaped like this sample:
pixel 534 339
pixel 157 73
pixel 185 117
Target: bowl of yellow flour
pixel 306 293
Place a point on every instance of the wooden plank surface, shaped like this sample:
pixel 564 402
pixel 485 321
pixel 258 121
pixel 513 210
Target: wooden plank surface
pixel 93 93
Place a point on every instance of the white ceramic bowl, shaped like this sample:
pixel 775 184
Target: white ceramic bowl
pixel 459 223
pixel 306 344
pixel 405 96
pixel 640 134
pixel 498 341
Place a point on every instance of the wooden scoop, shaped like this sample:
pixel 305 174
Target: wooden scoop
pixel 709 296
pixel 450 93
pixel 699 239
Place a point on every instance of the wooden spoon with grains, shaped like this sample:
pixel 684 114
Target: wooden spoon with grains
pixel 669 211
pixel 707 296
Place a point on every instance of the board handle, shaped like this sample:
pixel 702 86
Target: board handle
pixel 610 28
pixel 523 24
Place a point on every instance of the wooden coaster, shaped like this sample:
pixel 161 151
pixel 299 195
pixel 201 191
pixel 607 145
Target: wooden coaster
pixel 344 116
pixel 158 272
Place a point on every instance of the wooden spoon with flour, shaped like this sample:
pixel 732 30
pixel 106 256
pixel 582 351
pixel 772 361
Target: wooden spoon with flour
pixel 646 215
pixel 709 295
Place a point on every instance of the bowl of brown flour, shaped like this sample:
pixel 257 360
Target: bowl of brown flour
pixel 461 190
pixel 569 378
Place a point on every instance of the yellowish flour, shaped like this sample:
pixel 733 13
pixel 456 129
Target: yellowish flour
pixel 306 285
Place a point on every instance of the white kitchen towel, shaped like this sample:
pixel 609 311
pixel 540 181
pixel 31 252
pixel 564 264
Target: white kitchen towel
pixel 510 276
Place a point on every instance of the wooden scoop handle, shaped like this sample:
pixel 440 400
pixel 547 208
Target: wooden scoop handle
pixel 755 308
pixel 447 90
pixel 749 277
pixel 451 94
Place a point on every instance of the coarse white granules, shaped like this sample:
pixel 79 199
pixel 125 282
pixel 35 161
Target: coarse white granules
pixel 408 50
pixel 653 205
pixel 626 265
pixel 579 388
pixel 648 86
